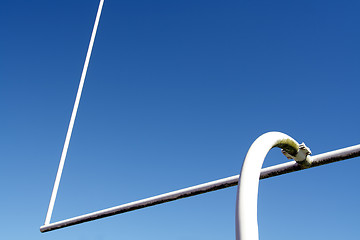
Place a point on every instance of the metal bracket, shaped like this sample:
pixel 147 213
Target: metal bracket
pixel 302 157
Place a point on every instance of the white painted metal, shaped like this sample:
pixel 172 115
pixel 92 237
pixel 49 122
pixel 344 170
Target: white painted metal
pixel 246 208
pixel 247 194
pixel 73 116
pixel 288 167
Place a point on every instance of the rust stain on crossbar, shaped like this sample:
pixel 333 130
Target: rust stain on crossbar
pixel 288 167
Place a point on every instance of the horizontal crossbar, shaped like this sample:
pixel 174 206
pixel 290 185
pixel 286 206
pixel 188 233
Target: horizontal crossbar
pixel 288 167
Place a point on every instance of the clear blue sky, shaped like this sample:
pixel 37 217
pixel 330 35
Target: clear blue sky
pixel 175 94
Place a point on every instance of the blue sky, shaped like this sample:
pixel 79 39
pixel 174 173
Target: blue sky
pixel 175 94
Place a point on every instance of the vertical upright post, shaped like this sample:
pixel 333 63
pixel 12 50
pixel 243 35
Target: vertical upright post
pixel 73 116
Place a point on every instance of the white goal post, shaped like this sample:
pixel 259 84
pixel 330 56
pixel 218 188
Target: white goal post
pixel 300 163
